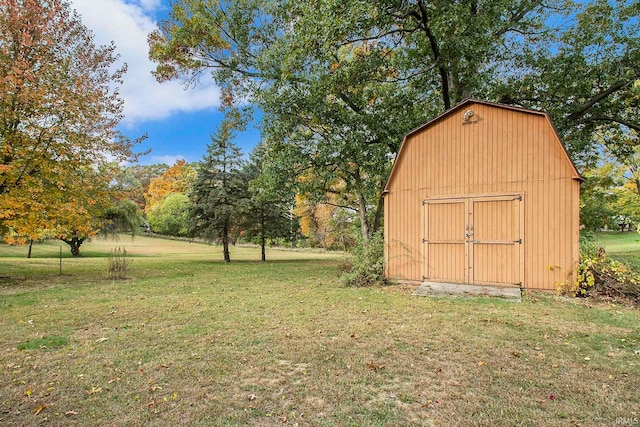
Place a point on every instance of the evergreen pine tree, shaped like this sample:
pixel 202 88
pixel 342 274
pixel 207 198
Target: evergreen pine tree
pixel 220 189
pixel 267 212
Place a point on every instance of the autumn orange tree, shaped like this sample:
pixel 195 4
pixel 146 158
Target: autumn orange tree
pixel 59 108
pixel 176 179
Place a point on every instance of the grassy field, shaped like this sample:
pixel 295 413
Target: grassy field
pixel 190 340
pixel 624 246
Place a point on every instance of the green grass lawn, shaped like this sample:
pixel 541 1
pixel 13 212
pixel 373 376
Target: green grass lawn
pixel 190 340
pixel 623 246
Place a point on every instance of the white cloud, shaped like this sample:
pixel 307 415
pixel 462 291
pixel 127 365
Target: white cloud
pixel 150 5
pixel 127 24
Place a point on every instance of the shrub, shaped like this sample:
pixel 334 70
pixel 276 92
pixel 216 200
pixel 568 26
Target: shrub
pixel 598 274
pixel 118 264
pixel 366 268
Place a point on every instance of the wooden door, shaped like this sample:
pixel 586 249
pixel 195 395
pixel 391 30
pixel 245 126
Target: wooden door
pixel 445 240
pixel 495 242
pixel 474 240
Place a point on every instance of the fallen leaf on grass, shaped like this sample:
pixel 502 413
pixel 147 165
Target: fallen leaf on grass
pixel 374 367
pixel 480 363
pixel 39 409
pixel 94 390
pixel 28 391
pixel 103 339
pixel 69 413
pixel 552 397
pixel 515 353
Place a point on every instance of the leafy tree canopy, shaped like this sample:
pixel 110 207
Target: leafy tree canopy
pixel 340 82
pixel 171 216
pixel 59 107
pixel 175 180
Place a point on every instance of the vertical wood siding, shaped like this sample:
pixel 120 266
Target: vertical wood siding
pixel 500 151
pixel 445 253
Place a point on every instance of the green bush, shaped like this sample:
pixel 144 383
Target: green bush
pixel 366 268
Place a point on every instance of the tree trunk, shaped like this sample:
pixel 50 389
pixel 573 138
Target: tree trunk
pixel 292 235
pixel 364 224
pixel 225 242
pixel 74 243
pixel 362 207
pixel 30 248
pixel 263 238
pixel 377 220
pixel 422 16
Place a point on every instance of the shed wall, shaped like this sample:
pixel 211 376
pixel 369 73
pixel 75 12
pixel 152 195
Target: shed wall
pixel 500 151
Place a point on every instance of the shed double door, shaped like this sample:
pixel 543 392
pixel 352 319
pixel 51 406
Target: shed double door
pixel 474 240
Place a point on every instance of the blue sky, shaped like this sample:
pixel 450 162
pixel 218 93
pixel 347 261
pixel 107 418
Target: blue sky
pixel 177 121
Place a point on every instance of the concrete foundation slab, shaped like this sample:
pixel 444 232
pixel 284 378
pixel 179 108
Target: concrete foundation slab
pixel 443 289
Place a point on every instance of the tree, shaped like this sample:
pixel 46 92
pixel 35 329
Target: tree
pixel 267 211
pixel 220 189
pixel 176 179
pixel 625 151
pixel 124 216
pixel 171 216
pixel 597 198
pixel 588 79
pixel 611 189
pixel 59 107
pixel 324 223
pixel 133 181
pixel 626 206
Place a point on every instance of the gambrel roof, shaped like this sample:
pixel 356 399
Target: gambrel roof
pixel 458 109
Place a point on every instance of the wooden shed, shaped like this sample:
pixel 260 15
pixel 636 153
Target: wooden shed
pixel 484 194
